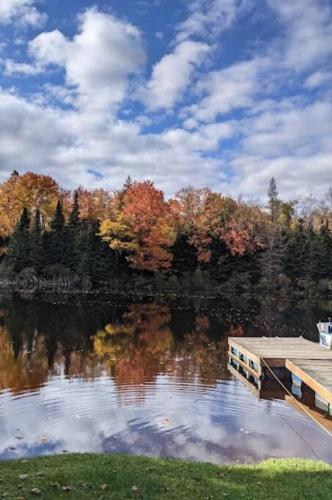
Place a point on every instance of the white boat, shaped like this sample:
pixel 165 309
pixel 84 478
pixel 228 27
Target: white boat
pixel 325 333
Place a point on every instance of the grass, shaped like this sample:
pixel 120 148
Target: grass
pixel 124 477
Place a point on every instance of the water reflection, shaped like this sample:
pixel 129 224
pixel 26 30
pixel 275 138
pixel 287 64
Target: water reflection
pixel 144 378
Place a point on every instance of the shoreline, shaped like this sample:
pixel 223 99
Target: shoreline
pixel 52 288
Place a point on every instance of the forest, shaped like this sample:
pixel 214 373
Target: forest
pixel 136 239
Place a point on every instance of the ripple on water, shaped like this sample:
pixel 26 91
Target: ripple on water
pixel 170 417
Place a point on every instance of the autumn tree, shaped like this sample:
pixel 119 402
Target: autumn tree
pixel 199 240
pixel 31 191
pixel 143 229
pixel 95 204
pixel 216 226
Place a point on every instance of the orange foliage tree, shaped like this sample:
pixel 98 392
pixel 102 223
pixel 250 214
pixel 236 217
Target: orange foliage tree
pixel 244 232
pixel 95 204
pixel 142 228
pixel 30 191
pixel 205 216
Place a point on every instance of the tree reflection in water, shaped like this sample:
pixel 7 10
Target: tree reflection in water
pixel 133 343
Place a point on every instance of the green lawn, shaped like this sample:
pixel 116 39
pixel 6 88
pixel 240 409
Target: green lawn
pixel 125 477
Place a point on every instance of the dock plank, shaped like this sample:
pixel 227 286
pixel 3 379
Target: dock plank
pixel 281 348
pixel 307 360
pixel 317 374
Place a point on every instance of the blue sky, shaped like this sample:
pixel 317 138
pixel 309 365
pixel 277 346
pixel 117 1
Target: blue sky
pixel 217 93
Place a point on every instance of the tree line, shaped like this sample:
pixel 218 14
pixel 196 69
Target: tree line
pixel 134 237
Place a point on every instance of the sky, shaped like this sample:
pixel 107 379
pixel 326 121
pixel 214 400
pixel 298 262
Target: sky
pixel 216 93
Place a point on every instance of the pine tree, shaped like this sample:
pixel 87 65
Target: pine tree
pixel 121 195
pixel 128 183
pixel 319 260
pixel 96 258
pixel 184 255
pixel 58 220
pixel 55 241
pixel 36 242
pixel 24 222
pixel 72 256
pixel 325 264
pixel 74 217
pixel 274 202
pixel 296 253
pixel 273 257
pixel 20 243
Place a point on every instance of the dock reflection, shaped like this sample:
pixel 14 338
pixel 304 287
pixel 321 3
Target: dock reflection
pixel 304 401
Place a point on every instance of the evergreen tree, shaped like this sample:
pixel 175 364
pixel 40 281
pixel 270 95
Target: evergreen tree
pixel 128 183
pixel 96 258
pixel 319 259
pixel 20 243
pixel 36 242
pixel 296 253
pixel 72 256
pixel 24 222
pixel 74 217
pixel 55 241
pixel 184 255
pixel 274 202
pixel 58 220
pixel 325 264
pixel 273 257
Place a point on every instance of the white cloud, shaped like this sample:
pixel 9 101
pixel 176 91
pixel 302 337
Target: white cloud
pixel 29 135
pixel 318 78
pixel 50 48
pixel 172 75
pixel 290 141
pixel 207 138
pixel 248 102
pixel 113 148
pixel 309 31
pixel 225 90
pixel 13 68
pixel 98 61
pixel 209 17
pixel 287 129
pixel 23 12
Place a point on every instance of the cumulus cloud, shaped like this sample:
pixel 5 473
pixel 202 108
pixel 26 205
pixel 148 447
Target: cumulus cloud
pixel 23 12
pixel 290 141
pixel 309 30
pixel 172 74
pixel 12 67
pixel 225 90
pixel 209 17
pixel 31 137
pixel 98 61
pixel 239 120
pixel 317 79
pixel 286 127
pixel 67 144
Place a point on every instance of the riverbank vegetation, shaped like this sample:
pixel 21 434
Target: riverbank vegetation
pixel 123 477
pixel 135 239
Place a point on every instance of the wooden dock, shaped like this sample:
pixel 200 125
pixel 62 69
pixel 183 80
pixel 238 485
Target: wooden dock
pixel 316 374
pixel 306 361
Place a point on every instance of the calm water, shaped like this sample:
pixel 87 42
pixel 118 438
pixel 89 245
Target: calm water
pixel 103 375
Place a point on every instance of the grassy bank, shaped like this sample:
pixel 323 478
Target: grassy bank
pixel 123 477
